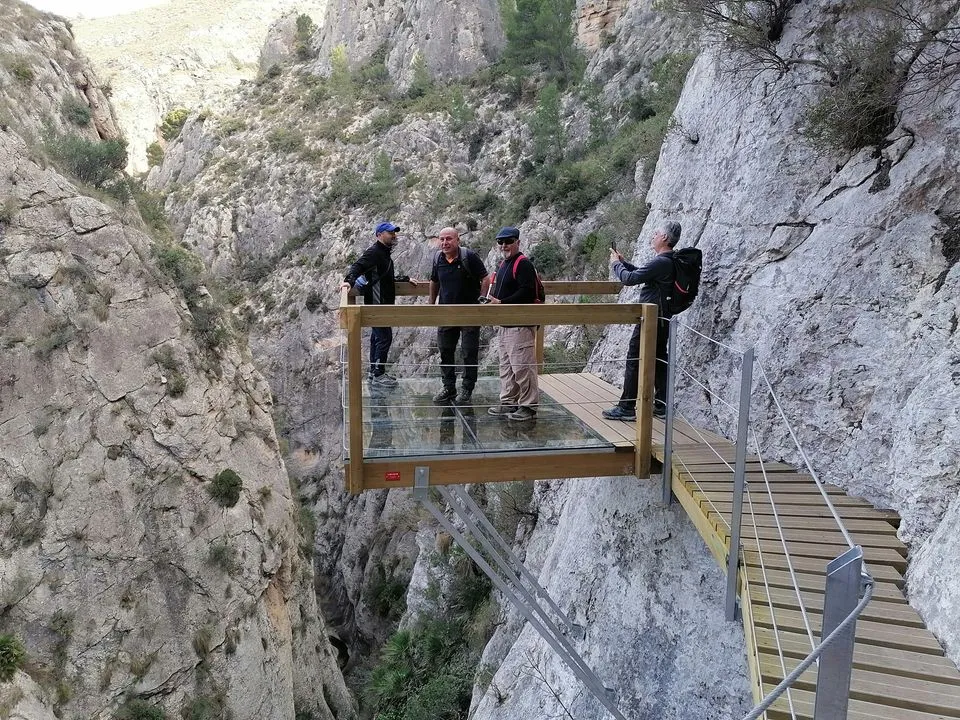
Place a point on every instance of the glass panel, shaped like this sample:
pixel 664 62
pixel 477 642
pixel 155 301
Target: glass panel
pixel 403 421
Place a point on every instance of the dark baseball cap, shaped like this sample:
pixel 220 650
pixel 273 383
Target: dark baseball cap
pixel 386 227
pixel 508 232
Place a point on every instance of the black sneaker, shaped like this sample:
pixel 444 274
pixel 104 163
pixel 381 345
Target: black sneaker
pixel 445 396
pixel 463 397
pixel 660 411
pixel 618 413
pixel 501 409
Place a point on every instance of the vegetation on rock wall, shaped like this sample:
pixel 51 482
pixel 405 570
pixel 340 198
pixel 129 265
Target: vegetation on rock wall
pixel 427 670
pixel 862 70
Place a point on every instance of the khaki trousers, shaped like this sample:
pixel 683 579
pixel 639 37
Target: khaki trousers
pixel 518 367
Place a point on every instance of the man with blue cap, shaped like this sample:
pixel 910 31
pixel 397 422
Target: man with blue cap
pixel 372 276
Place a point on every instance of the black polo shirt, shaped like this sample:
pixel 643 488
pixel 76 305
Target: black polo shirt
pixel 459 280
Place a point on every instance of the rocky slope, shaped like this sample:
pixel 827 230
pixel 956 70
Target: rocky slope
pixel 180 54
pixel 841 270
pixel 839 267
pixel 133 566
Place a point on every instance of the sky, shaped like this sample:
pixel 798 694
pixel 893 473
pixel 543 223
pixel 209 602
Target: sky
pixel 91 8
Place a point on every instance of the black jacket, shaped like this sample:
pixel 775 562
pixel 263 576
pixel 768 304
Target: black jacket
pixel 657 277
pixel 376 266
pixel 514 290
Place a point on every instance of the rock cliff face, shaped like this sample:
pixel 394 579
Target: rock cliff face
pixel 841 270
pixel 455 39
pixel 180 54
pixel 131 564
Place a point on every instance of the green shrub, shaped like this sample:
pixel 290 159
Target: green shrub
pixel 12 657
pixel 21 70
pixel 137 709
pixel 541 32
pixel 225 487
pixel 90 161
pixel 230 126
pixel 859 107
pixel 154 154
pixel 223 556
pixel 173 123
pixel 314 300
pixel 284 140
pixel 176 384
pixel 549 259
pixel 305 30
pixel 388 595
pixel 75 111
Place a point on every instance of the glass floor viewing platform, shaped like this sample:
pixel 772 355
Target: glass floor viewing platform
pixel 404 422
pixel 392 434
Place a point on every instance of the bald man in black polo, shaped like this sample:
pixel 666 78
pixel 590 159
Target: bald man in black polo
pixel 458 278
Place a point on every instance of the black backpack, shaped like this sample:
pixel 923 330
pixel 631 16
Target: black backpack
pixel 687 264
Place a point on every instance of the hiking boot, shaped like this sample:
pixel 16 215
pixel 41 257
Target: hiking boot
pixel 445 396
pixel 463 397
pixel 501 409
pixel 659 411
pixel 522 413
pixel 384 381
pixel 618 413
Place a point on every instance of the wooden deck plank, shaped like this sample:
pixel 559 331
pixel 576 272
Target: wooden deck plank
pixel 855 527
pixel 815 582
pixel 889 613
pixel 893 661
pixel 868 632
pixel 858 710
pixel 879 688
pixel 559 392
pixel 873 556
pixel 777 561
pixel 832 538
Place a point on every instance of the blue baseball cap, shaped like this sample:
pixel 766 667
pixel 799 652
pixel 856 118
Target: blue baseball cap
pixel 508 232
pixel 386 227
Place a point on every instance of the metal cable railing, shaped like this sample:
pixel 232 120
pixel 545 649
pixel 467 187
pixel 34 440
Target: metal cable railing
pixel 779 531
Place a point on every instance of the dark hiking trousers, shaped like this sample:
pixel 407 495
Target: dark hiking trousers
pixel 469 338
pixel 631 376
pixel 381 338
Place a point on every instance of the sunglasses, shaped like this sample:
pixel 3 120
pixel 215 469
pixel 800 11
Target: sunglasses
pixel 506 241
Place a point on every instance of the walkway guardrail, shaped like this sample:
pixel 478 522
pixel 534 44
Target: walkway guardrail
pixel 849 587
pixel 370 473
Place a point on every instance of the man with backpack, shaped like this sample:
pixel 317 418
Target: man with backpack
pixel 372 276
pixel 658 278
pixel 516 282
pixel 459 278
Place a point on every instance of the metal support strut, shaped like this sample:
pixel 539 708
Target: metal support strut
pixel 507 581
pixel 733 555
pixel 668 421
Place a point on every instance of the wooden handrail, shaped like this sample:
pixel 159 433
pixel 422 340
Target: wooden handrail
pixel 527 314
pixel 553 288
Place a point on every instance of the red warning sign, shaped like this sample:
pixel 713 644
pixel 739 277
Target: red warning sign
pixel 392 476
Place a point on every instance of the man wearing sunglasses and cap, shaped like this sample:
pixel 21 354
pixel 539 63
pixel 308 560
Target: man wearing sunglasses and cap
pixel 515 283
pixel 372 276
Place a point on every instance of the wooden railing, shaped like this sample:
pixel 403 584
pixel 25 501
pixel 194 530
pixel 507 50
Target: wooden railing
pixel 354 317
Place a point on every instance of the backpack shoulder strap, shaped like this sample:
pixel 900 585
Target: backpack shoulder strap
pixel 516 264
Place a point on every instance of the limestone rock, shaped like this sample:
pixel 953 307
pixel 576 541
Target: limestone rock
pixel 121 572
pixel 179 54
pixel 455 38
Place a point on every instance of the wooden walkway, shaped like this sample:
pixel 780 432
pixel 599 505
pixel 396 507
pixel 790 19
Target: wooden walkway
pixel 900 671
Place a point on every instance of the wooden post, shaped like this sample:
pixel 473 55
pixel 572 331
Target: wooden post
pixel 539 349
pixel 648 360
pixel 354 392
